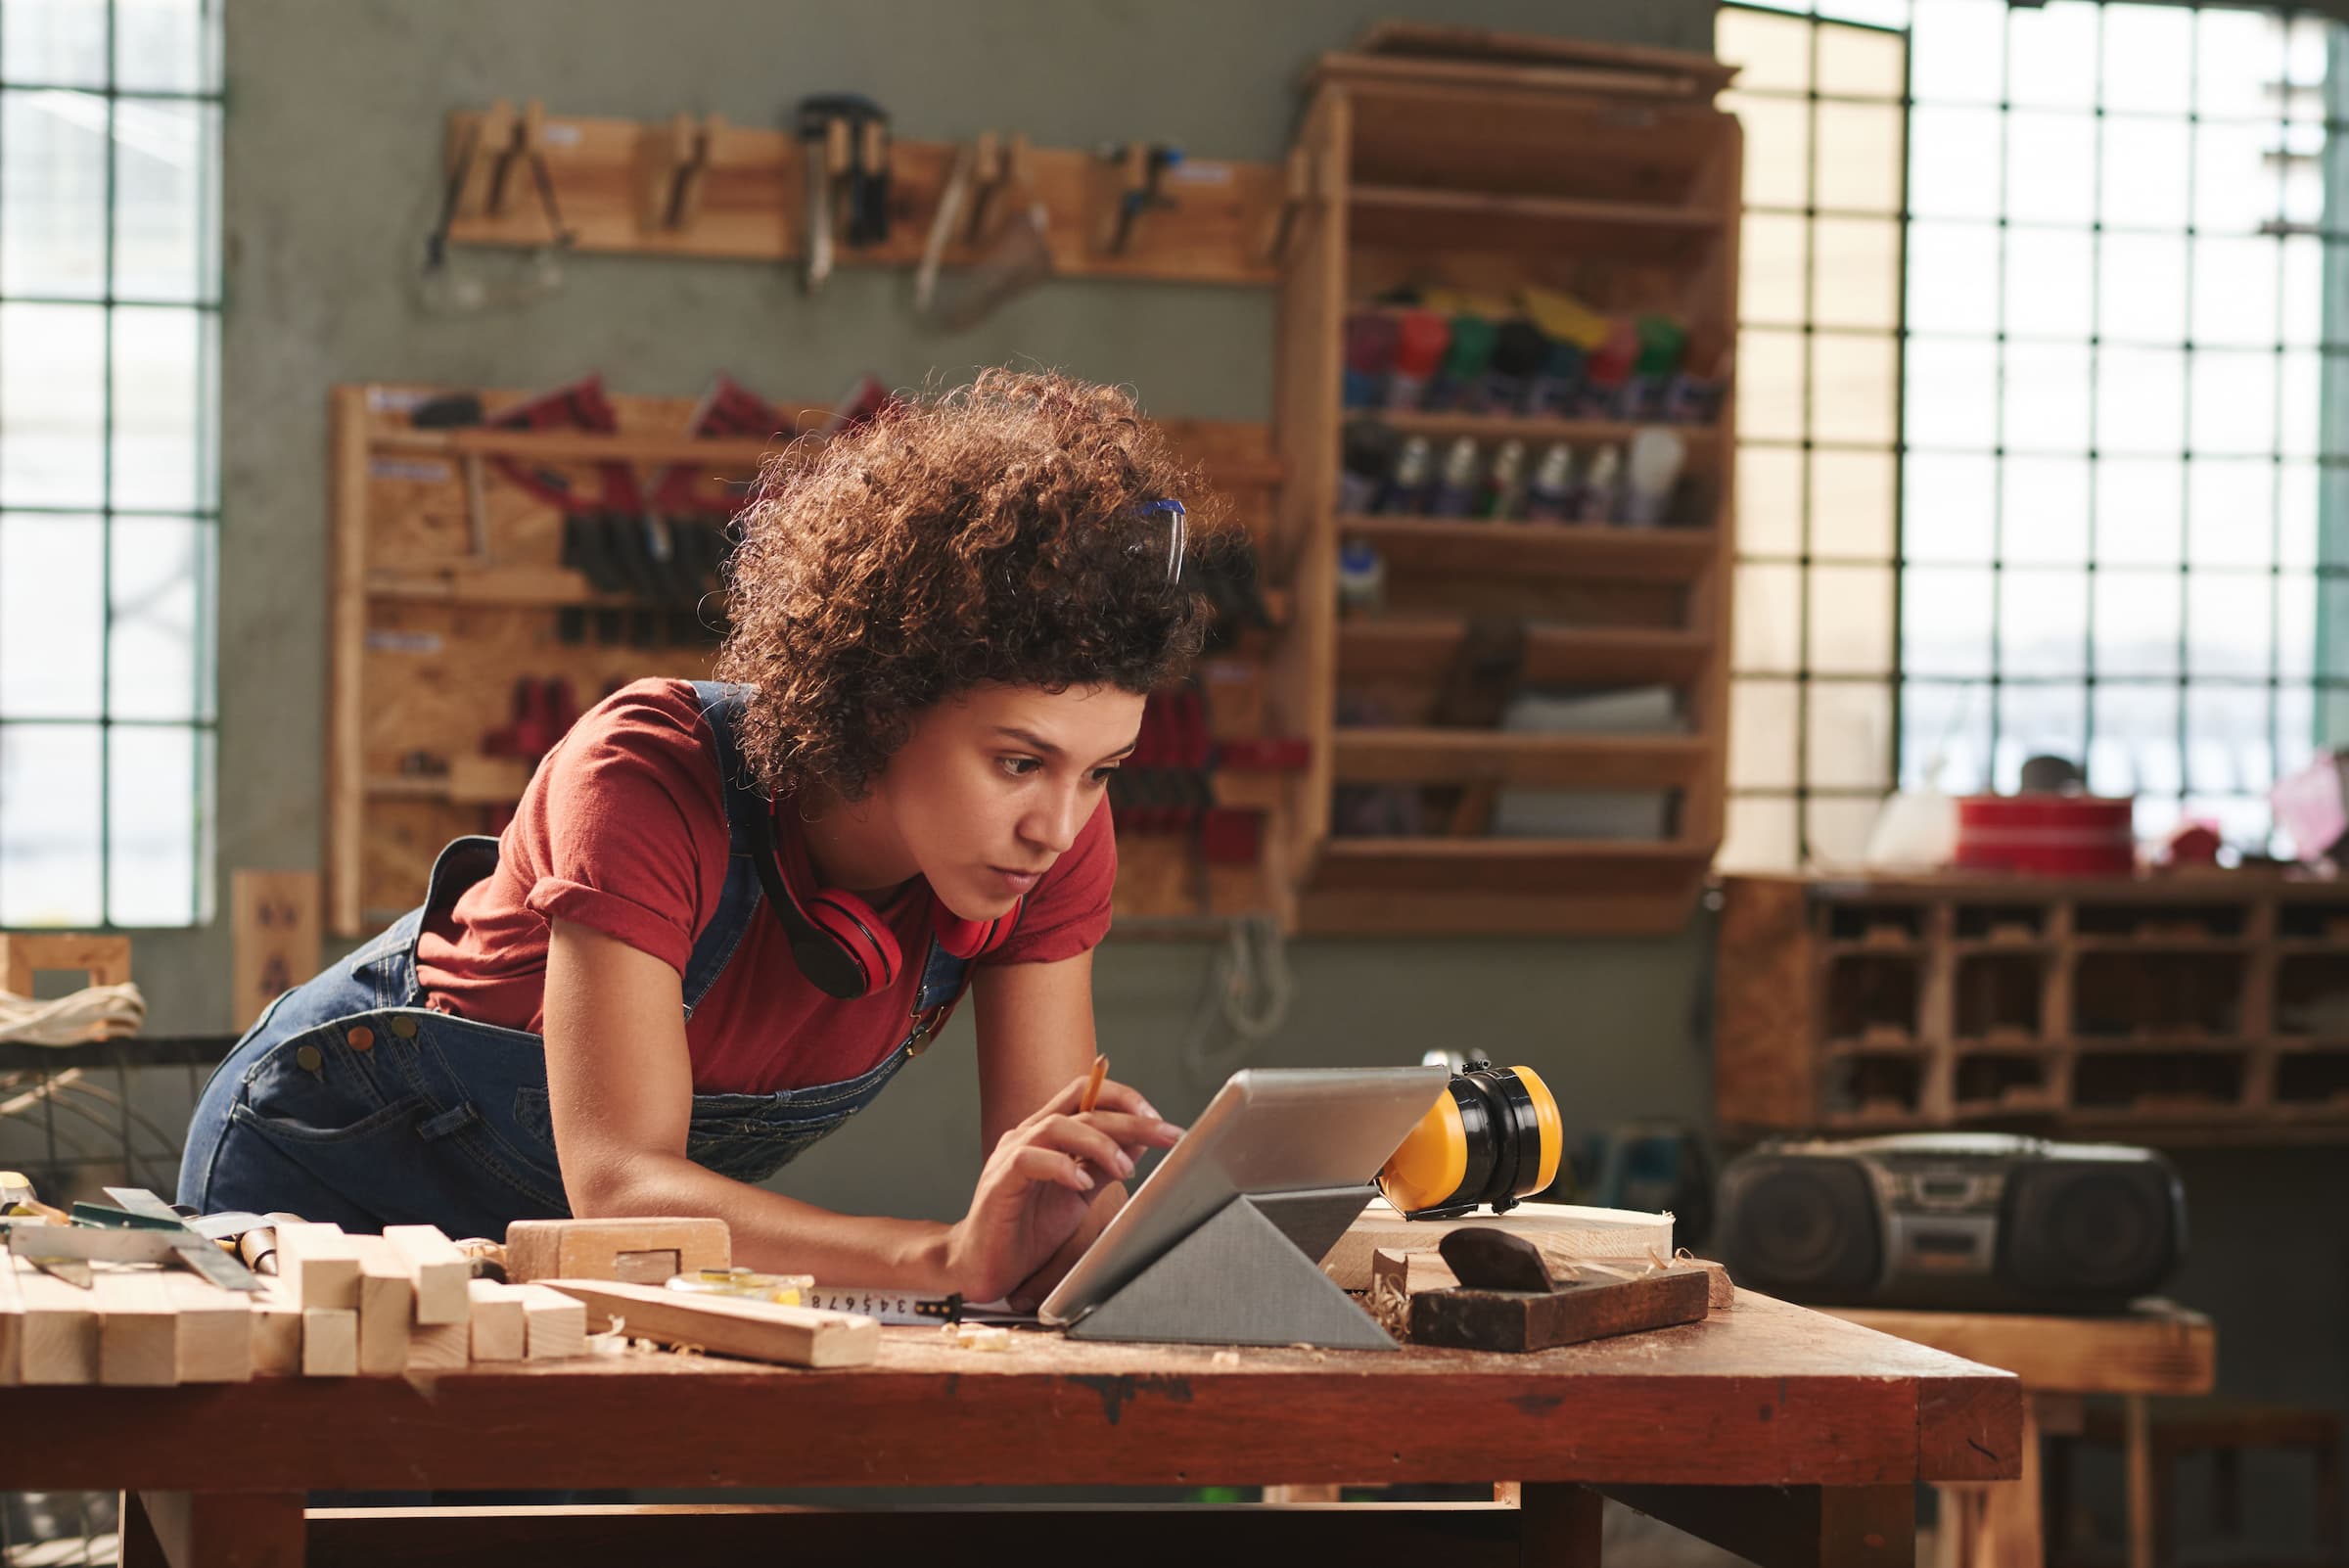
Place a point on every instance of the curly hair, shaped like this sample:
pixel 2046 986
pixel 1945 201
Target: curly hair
pixel 994 533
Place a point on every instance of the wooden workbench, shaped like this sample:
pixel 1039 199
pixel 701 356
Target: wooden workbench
pixel 1780 1433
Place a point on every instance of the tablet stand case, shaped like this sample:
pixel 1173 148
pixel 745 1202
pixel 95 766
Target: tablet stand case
pixel 1249 1275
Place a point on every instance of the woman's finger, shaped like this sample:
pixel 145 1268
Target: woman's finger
pixel 1117 1096
pixel 1143 1132
pixel 1077 1135
pixel 1039 1164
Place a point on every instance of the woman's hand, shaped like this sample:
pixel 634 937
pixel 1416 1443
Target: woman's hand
pixel 1040 1180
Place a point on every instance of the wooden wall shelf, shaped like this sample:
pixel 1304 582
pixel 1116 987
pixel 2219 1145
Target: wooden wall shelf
pixel 1855 1007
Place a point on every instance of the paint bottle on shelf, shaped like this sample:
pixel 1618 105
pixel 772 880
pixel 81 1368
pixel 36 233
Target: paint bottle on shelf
pixel 1366 456
pixel 1550 491
pixel 1519 351
pixel 1594 496
pixel 1413 476
pixel 1456 483
pixel 1421 338
pixel 1369 354
pixel 1503 496
pixel 1461 382
pixel 1651 474
pixel 1361 578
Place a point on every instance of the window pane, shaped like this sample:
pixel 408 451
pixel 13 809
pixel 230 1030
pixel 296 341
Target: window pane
pixel 2141 279
pixel 1772 52
pixel 159 578
pixel 52 399
pixel 2042 505
pixel 1852 504
pixel 1952 507
pixel 158 360
pixel 1855 389
pixel 1772 266
pixel 2042 622
pixel 54 42
pixel 2046 397
pixel 2236 55
pixel 162 239
pixel 2295 729
pixel 1759 834
pixel 1952 394
pixel 2295 626
pixel 2229 623
pixel 2235 189
pixel 1762 731
pixel 52 612
pixel 1769 500
pixel 2141 399
pixel 53 194
pixel 2140 187
pixel 1770 385
pixel 2229 513
pixel 2234 402
pixel 1851 619
pixel 2051 168
pixel 2303 175
pixel 2228 746
pixel 1952 277
pixel 2136 745
pixel 2039 722
pixel 1944 736
pixel 2048 53
pixel 2303 287
pixel 1859 157
pixel 2137 617
pixel 1951 170
pixel 1769 619
pixel 1858 277
pixel 1850 734
pixel 2298 386
pixel 1777 149
pixel 2234 293
pixel 1945 620
pixel 151 826
pixel 1956 52
pixel 49 804
pixel 2296 515
pixel 2049 283
pixel 1836 832
pixel 2148 59
pixel 166 45
pixel 2140 508
pixel 1860 62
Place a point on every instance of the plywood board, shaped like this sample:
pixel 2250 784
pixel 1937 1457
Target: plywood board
pixel 723 1326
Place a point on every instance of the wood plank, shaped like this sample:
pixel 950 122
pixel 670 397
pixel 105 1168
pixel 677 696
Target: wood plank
pixel 555 1324
pixel 439 1269
pixel 1519 1320
pixel 346 624
pixel 1566 1231
pixel 330 1342
pixel 640 1250
pixel 386 1307
pixel 273 939
pixel 1377 756
pixel 137 1329
pixel 1581 550
pixel 61 1329
pixel 2159 1349
pixel 500 1323
pixel 319 1264
pixel 441 1347
pixel 275 1323
pixel 792 1336
pixel 104 960
pixel 212 1339
pixel 11 1325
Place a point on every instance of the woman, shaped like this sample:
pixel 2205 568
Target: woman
pixel 725 917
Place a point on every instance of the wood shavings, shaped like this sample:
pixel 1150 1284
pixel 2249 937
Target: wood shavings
pixel 1225 1358
pixel 976 1336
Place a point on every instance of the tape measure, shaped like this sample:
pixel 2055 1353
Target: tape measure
pixel 1493 1135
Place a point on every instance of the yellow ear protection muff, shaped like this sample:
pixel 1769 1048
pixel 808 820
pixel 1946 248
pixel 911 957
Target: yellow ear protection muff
pixel 1493 1135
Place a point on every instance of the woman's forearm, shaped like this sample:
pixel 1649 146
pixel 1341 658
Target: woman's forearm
pixel 783 1235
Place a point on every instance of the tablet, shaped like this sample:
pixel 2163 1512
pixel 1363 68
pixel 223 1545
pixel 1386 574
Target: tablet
pixel 1268 1129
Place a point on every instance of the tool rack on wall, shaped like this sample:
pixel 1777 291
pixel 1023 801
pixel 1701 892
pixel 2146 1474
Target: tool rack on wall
pixel 464 630
pixel 2205 1007
pixel 1485 178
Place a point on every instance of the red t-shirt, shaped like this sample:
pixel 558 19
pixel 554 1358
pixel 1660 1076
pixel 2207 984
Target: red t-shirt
pixel 622 829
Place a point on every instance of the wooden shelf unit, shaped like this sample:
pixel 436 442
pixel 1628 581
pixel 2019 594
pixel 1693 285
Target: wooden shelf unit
pixel 1478 182
pixel 448 587
pixel 2109 1019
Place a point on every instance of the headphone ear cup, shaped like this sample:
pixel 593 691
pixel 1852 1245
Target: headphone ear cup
pixel 973 939
pixel 863 938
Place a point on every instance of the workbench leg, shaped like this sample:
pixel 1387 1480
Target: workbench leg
pixel 2136 1459
pixel 1557 1525
pixel 1790 1527
pixel 212 1529
pixel 2006 1525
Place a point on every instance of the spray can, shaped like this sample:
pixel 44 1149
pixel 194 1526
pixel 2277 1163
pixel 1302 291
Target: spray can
pixel 1361 578
pixel 1413 476
pixel 1550 491
pixel 1455 485
pixel 1504 482
pixel 1594 496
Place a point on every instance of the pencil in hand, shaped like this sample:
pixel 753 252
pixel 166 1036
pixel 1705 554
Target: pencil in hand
pixel 1092 1084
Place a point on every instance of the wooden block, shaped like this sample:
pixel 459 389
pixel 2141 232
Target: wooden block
pixel 500 1322
pixel 275 1325
pixel 1532 1320
pixel 138 1329
pixel 1565 1232
pixel 273 937
pixel 441 1272
pixel 330 1342
pixel 556 1323
pixel 1407 1274
pixel 1721 1293
pixel 319 1266
pixel 11 1325
pixel 441 1347
pixel 386 1307
pixel 214 1339
pixel 725 1325
pixel 61 1329
pixel 635 1251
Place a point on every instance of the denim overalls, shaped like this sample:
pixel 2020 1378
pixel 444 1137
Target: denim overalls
pixel 350 1100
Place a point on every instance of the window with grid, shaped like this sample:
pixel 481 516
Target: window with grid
pixel 2035 371
pixel 110 304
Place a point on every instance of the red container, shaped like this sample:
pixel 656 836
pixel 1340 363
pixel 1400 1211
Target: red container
pixel 2052 835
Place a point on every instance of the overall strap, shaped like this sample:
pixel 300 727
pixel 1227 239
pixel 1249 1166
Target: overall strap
pixel 739 898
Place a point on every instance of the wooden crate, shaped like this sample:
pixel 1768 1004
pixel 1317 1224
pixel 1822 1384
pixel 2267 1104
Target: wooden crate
pixel 2177 1008
pixel 448 587
pixel 1490 180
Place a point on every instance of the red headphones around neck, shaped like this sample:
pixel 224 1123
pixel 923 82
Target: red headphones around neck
pixel 841 944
